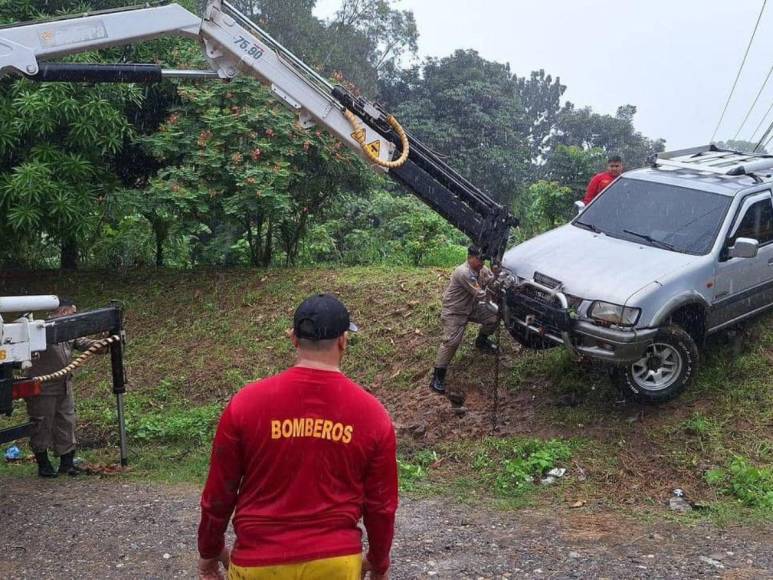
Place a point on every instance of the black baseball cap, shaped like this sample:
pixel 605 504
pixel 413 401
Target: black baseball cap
pixel 322 317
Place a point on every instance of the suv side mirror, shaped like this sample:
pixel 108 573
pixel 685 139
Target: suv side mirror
pixel 744 248
pixel 579 207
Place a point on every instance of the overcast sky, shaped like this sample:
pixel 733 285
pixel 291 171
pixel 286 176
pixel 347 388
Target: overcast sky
pixel 674 59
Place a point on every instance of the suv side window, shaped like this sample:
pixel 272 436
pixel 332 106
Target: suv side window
pixel 756 223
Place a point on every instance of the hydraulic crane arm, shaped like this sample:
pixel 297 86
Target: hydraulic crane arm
pixel 233 44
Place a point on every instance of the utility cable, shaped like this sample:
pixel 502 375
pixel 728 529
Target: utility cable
pixel 743 62
pixel 754 104
pixel 760 145
pixel 762 120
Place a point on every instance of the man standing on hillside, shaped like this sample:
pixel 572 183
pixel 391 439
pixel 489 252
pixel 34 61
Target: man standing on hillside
pixel 301 456
pixel 52 413
pixel 462 303
pixel 600 181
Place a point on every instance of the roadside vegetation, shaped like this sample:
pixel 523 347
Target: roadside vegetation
pixel 196 337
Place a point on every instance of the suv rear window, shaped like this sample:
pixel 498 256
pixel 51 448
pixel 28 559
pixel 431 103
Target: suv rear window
pixel 679 219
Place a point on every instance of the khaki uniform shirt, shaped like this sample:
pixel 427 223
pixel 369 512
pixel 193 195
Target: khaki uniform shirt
pixel 462 292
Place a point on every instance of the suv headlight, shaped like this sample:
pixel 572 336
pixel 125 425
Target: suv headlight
pixel 607 313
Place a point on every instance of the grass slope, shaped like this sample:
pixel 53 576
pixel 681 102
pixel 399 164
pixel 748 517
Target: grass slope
pixel 196 337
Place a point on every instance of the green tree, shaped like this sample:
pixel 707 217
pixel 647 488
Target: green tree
pixel 540 97
pixel 59 147
pixel 240 167
pixel 572 167
pixel 545 205
pixel 614 134
pixel 467 108
pixel 66 151
pixel 373 31
pixel 363 42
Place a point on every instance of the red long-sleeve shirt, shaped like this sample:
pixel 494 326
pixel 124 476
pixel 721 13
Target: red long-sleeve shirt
pixel 301 456
pixel 597 184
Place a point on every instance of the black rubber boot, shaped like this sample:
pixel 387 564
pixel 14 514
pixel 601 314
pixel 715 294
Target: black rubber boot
pixel 67 465
pixel 45 469
pixel 484 344
pixel 438 383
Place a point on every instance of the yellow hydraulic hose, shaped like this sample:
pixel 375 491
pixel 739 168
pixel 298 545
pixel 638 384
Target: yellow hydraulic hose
pixel 97 344
pixel 359 136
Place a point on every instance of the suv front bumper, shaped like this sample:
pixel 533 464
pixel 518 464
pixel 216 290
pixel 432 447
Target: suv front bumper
pixel 534 311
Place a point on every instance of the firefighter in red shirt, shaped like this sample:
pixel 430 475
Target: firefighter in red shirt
pixel 298 458
pixel 600 181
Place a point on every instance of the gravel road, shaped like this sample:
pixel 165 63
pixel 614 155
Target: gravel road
pixel 108 528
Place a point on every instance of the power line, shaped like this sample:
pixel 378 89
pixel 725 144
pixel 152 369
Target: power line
pixel 759 125
pixel 743 62
pixel 764 137
pixel 754 104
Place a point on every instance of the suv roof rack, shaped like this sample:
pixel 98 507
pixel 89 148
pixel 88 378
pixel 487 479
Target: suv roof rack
pixel 712 159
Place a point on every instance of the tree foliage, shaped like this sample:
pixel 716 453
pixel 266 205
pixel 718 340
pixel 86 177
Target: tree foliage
pixel 215 173
pixel 467 109
pixel 545 205
pixel 573 167
pixel 59 149
pixel 613 134
pixel 238 166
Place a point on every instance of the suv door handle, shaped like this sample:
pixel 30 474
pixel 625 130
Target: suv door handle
pixel 770 262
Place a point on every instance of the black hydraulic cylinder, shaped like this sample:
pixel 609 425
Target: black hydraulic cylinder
pixel 97 73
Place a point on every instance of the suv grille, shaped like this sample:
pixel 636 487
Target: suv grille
pixel 551 283
pixel 543 309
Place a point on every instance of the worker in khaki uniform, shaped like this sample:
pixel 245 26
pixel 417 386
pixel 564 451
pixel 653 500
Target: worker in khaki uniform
pixel 52 413
pixel 462 304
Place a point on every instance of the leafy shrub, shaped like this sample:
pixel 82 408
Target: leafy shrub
pixel 195 425
pixel 416 469
pixel 521 461
pixel 751 485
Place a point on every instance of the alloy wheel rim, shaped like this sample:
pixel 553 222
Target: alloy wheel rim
pixel 659 368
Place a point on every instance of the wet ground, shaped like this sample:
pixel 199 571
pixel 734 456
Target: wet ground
pixel 107 528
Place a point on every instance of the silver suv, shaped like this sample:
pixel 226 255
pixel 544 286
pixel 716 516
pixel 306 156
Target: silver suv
pixel 664 257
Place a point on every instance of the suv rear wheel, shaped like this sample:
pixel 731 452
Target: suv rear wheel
pixel 664 371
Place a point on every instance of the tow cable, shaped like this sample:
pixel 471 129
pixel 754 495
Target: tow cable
pixel 97 345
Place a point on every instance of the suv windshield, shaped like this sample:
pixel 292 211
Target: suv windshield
pixel 656 214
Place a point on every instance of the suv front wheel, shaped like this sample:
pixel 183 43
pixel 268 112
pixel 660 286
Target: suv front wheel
pixel 665 370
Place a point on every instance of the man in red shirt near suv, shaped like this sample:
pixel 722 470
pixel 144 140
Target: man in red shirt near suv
pixel 600 181
pixel 301 456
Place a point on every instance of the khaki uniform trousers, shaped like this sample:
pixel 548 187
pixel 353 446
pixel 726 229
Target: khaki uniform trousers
pixel 52 415
pixel 454 327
